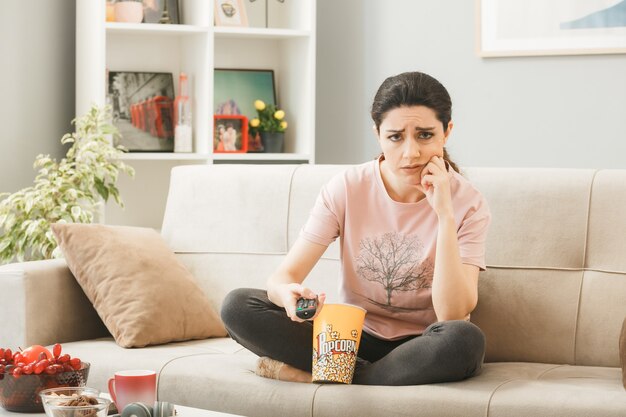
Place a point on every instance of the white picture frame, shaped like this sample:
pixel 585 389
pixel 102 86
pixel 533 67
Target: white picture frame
pixel 555 27
pixel 257 13
pixel 230 13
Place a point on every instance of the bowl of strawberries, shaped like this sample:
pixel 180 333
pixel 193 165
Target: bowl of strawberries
pixel 24 373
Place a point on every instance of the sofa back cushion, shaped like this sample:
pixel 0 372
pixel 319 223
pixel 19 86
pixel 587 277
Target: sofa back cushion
pixel 555 285
pixel 231 225
pixel 554 288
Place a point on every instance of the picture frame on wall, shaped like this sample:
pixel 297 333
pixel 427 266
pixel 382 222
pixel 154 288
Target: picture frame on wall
pixel 161 11
pixel 143 109
pixel 236 90
pixel 539 27
pixel 230 134
pixel 230 13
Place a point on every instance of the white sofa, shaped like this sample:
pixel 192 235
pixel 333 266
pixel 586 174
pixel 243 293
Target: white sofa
pixel 551 302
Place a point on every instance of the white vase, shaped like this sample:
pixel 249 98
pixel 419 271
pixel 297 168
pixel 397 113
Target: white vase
pixel 129 11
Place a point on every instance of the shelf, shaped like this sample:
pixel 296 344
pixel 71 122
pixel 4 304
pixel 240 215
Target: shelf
pixel 259 33
pixel 170 156
pixel 153 29
pixel 197 47
pixel 220 32
pixel 164 156
pixel 260 157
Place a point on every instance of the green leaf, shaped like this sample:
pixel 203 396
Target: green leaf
pixel 102 190
pixel 116 195
pixel 76 212
pixel 4 244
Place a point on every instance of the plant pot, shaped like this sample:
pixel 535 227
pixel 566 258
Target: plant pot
pixel 129 11
pixel 273 142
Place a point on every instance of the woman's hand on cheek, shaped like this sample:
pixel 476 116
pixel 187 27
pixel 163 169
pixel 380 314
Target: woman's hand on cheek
pixel 435 184
pixel 429 176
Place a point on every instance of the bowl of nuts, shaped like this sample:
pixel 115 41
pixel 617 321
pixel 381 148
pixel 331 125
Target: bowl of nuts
pixel 74 402
pixel 25 373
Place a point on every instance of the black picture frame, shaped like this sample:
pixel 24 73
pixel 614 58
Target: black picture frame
pixel 235 91
pixel 153 11
pixel 143 109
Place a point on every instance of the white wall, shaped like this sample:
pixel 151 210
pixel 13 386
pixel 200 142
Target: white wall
pixel 37 73
pixel 559 111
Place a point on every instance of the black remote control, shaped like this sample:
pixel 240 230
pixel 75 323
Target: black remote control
pixel 306 307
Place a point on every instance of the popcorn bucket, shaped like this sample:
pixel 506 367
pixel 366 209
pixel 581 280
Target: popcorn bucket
pixel 336 337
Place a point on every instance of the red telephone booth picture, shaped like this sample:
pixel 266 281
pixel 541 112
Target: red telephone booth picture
pixel 144 109
pixel 163 108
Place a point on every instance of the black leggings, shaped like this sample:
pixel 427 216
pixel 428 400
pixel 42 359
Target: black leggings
pixel 446 351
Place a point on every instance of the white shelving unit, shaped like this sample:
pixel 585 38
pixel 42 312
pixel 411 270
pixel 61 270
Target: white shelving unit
pixel 197 47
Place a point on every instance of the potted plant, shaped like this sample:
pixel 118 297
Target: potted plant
pixel 66 191
pixel 270 125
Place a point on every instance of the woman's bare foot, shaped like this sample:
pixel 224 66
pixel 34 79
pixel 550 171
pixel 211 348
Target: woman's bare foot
pixel 271 368
pixel 289 373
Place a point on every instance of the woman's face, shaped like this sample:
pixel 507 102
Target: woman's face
pixel 409 137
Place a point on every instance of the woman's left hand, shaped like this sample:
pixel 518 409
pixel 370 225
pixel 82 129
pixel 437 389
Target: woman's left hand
pixel 435 184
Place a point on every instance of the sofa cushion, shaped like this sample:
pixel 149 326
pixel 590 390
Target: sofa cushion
pixel 600 310
pixel 106 357
pixel 502 389
pixel 251 270
pixel 228 209
pixel 142 293
pixel 234 387
pixel 524 318
pixel 186 369
pixel 563 391
pixel 605 243
pixel 534 212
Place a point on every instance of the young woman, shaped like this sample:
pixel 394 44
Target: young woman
pixel 412 231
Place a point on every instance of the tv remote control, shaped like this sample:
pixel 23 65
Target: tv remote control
pixel 306 307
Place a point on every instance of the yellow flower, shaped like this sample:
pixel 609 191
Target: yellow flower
pixel 269 118
pixel 259 105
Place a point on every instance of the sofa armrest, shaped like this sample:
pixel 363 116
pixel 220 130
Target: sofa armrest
pixel 43 304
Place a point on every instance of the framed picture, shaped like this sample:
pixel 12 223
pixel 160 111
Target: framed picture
pixel 230 134
pixel 236 90
pixel 143 109
pixel 256 11
pixel 558 27
pixel 230 13
pixel 161 11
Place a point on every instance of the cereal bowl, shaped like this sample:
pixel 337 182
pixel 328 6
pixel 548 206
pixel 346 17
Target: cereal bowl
pixel 74 402
pixel 21 393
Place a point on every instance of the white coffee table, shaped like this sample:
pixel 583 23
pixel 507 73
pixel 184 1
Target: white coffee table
pixel 197 412
pixel 181 412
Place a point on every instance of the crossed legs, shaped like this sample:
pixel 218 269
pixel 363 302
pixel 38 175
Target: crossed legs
pixel 446 351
